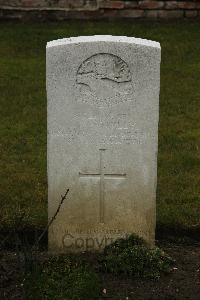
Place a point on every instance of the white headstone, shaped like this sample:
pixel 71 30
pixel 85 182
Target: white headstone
pixel 103 108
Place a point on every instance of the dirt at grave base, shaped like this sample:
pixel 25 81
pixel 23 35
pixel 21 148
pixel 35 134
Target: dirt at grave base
pixel 182 283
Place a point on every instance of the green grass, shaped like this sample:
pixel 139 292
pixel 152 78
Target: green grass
pixel 71 277
pixel 62 277
pixel 23 182
pixel 133 258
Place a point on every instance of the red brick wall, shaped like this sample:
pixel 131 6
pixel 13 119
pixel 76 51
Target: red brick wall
pixel 96 9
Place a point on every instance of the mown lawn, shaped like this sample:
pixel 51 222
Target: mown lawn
pixel 23 180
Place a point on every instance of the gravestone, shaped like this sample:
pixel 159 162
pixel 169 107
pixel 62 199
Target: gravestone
pixel 103 108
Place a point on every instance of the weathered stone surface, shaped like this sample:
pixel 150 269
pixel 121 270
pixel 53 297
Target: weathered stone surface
pixel 170 14
pixel 91 5
pixel 69 4
pixel 148 4
pixel 10 2
pixel 96 9
pixel 103 103
pixel 131 4
pixel 171 4
pixel 131 13
pixel 33 3
pixel 187 4
pixel 111 4
pixel 191 14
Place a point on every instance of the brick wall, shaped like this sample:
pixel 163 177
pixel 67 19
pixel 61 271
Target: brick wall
pixel 98 9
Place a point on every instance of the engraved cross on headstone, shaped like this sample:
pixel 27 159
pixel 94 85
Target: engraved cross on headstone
pixel 102 176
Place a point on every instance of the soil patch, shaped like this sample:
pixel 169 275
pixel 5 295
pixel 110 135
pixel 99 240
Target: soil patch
pixel 182 283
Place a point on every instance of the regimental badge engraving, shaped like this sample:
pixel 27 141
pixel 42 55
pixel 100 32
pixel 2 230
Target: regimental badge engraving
pixel 104 79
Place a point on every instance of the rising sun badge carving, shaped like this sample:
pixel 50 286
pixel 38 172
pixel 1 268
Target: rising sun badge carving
pixel 104 79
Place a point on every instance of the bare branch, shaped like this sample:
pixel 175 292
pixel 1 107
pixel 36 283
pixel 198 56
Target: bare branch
pixel 53 218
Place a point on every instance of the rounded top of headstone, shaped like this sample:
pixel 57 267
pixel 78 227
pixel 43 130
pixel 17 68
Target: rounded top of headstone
pixel 103 38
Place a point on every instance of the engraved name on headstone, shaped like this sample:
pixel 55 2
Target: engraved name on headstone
pixel 103 104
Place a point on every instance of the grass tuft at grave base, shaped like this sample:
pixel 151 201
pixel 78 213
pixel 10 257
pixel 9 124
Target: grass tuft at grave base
pixel 62 277
pixel 71 277
pixel 132 257
pixel 23 180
